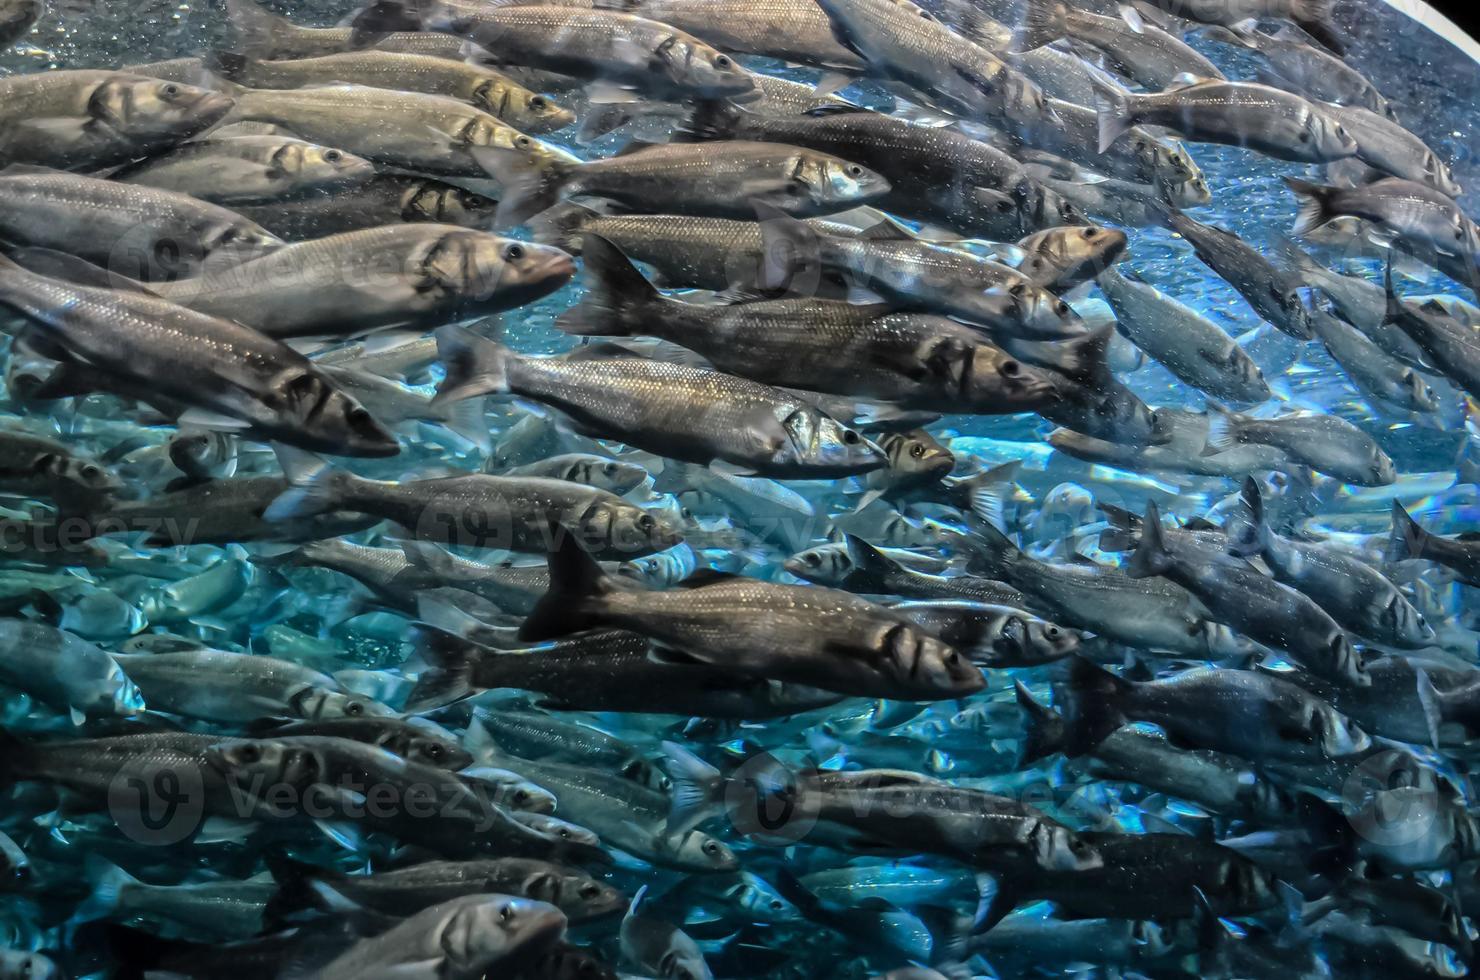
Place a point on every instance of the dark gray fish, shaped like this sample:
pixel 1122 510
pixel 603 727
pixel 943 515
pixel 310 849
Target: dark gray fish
pixel 385 199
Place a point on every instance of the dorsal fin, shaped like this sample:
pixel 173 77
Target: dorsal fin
pixel 887 230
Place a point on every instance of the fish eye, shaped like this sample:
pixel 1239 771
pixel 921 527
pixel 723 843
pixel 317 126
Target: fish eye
pixel 777 905
pixel 646 522
pixel 711 848
pixel 1305 137
pixel 333 156
pixel 917 451
pixel 722 61
pixel 1011 369
pixel 564 834
pixel 1089 233
pixel 855 171
pixel 686 513
pixel 1062 309
pixel 1051 632
pixel 435 751
pixel 521 796
pixel 590 890
pixel 354 709
pixel 811 558
pixel 953 659
pixel 524 142
pixel 538 102
pixel 506 913
pixel 170 90
pixel 513 253
pixel 250 753
pixel 851 437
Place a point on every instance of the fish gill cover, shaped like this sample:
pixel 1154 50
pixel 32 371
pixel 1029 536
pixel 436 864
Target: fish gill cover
pixel 737 488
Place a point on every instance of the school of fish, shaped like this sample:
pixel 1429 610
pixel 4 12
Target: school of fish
pixel 692 489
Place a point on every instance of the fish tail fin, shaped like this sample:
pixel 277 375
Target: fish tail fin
pixel 384 17
pixel 711 120
pixel 1315 205
pixel 575 580
pixel 474 365
pixel 1247 529
pixel 1043 23
pixel 1043 728
pixel 1432 703
pixel 108 881
pixel 788 246
pixel 698 789
pixel 987 492
pixel 1408 539
pixel 992 553
pixel 230 65
pixel 619 301
pixel 1315 18
pixel 1114 111
pixel 528 188
pixel 1151 556
pixel 467 419
pixel 1293 255
pixel 1091 706
pixel 455 662
pixel 314 487
pixel 561 226
pixel 1394 304
pixel 258 30
pixel 1222 431
pixel 300 887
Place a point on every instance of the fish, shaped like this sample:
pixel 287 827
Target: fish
pixel 1267 120
pixel 922 362
pixel 689 178
pixel 1289 62
pixel 1409 541
pixel 1388 147
pixel 1105 600
pixel 1395 208
pixel 249 169
pixel 97 118
pixel 787 30
pixel 98 220
pixel 1260 608
pixel 897 43
pixel 1325 443
pixel 657 945
pixel 1269 289
pixel 623 50
pixel 517 513
pixel 429 134
pixel 384 199
pixel 776 435
pixel 229 688
pixel 1143 53
pixel 66 672
pixel 485 89
pixel 332 286
pixel 916 275
pixel 839 642
pixel 250 380
pixel 407 891
pixel 462 938
pixel 966 178
pixel 1194 349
